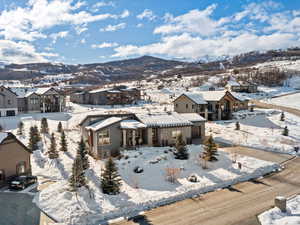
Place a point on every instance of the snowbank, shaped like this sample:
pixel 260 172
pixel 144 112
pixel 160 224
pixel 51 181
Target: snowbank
pixel 276 217
pixel 149 189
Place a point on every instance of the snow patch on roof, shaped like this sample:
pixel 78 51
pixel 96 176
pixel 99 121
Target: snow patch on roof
pixel 164 120
pixel 103 123
pixel 132 124
pixel 195 97
pixel 3 135
pixel 192 117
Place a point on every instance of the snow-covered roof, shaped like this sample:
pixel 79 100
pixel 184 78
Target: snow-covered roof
pixel 240 96
pixel 104 123
pixel 163 120
pixel 132 124
pixel 195 97
pixel 41 91
pixel 213 95
pixel 192 117
pixel 99 90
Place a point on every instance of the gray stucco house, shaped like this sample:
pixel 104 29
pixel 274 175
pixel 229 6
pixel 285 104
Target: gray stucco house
pixel 108 134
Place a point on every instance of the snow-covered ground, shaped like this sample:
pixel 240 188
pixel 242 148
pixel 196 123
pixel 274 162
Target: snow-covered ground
pixel 275 217
pixel 261 129
pixel 292 101
pixel 145 190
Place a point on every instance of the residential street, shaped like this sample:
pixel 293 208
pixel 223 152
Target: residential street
pixel 237 205
pixel 260 104
pixel 18 209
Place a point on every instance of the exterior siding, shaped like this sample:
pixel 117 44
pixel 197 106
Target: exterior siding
pixel 12 153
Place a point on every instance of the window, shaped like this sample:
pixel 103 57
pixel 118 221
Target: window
pixel 21 168
pixel 8 102
pixel 193 106
pixel 175 133
pixel 176 105
pixel 187 106
pixel 104 138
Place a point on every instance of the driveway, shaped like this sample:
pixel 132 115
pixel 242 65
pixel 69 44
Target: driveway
pixel 18 209
pixel 239 204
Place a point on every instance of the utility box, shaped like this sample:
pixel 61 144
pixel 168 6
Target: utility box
pixel 280 202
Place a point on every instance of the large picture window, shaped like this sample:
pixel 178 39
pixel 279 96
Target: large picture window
pixel 104 138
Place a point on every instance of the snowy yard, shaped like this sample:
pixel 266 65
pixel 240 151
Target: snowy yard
pixel 276 217
pixel 144 190
pixel 292 101
pixel 261 129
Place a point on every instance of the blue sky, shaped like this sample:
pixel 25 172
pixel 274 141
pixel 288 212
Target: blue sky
pixel 88 31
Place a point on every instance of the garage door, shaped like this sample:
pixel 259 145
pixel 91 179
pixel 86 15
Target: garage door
pixel 10 113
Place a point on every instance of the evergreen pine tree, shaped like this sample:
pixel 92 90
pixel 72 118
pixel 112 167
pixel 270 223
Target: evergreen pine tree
pixel 20 128
pixel 44 126
pixel 59 127
pixel 32 139
pixel 77 178
pixel 36 133
pixel 237 125
pixel 210 150
pixel 82 151
pixel 181 150
pixel 282 116
pixel 53 154
pixel 63 142
pixel 285 131
pixel 110 181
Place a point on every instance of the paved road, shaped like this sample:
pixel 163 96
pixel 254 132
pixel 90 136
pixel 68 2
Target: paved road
pixel 272 106
pixel 18 209
pixel 259 154
pixel 238 205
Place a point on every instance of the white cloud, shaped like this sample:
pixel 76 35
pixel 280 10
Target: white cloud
pixel 139 25
pixel 196 33
pixel 146 14
pixel 98 5
pixel 27 23
pixel 83 41
pixel 22 52
pixel 105 45
pixel 61 34
pixel 112 28
pixel 195 21
pixel 187 46
pixel 124 14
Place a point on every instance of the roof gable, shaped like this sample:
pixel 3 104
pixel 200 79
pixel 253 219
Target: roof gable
pixel 10 136
pixel 195 97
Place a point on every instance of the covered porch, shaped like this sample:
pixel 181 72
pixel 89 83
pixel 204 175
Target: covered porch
pixel 133 134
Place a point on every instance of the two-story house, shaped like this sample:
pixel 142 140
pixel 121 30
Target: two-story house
pixel 8 102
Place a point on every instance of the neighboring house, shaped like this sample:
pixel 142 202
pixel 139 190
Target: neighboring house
pixel 107 134
pixel 115 96
pixel 51 100
pixel 212 105
pixel 241 86
pixel 191 103
pixel 34 100
pixel 8 102
pixel 14 157
pixel 29 103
